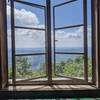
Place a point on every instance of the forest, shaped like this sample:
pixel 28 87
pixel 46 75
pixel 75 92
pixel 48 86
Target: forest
pixel 70 67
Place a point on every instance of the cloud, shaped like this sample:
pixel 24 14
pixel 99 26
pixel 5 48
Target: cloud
pixel 25 38
pixel 72 38
pixel 23 17
pixel 77 33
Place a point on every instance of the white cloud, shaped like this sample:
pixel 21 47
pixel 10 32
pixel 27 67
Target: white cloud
pixel 25 38
pixel 29 39
pixel 34 38
pixel 23 17
pixel 74 38
pixel 66 34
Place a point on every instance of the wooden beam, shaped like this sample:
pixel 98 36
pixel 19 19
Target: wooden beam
pixel 96 40
pixel 85 40
pixel 49 49
pixel 94 46
pixel 3 45
pixel 98 34
pixel 13 42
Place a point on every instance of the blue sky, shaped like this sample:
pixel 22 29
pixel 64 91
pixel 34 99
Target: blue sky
pixel 66 15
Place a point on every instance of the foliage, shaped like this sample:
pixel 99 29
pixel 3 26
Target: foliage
pixel 73 67
pixel 24 69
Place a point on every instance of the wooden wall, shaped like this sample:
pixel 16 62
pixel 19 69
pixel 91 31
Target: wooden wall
pixel 3 44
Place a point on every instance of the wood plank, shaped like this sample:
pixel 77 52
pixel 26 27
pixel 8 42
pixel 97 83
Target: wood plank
pixel 98 32
pixel 96 44
pixel 48 87
pixel 3 44
pixel 49 49
pixel 85 40
pixel 13 42
pixel 93 43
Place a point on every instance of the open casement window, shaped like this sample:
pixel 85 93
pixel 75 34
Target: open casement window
pixel 31 43
pixel 28 66
pixel 71 58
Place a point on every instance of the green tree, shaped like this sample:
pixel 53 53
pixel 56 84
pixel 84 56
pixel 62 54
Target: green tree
pixel 23 67
pixel 73 67
pixel 10 72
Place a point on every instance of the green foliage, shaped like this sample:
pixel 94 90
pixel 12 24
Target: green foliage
pixel 89 68
pixel 24 69
pixel 71 67
pixel 10 72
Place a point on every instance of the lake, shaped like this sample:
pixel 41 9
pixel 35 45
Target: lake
pixel 37 60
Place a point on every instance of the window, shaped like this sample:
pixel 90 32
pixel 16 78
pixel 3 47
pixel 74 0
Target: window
pixel 71 43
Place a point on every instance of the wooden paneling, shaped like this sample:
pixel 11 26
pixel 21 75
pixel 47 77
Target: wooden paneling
pixel 3 44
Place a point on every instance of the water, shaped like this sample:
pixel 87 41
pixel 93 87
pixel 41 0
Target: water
pixel 36 61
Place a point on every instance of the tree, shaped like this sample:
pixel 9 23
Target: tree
pixel 73 67
pixel 10 72
pixel 23 67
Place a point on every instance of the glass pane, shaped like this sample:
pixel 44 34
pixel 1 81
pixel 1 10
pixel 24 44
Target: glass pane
pixel 89 41
pixel 30 67
pixel 9 43
pixel 9 61
pixel 55 2
pixel 70 66
pixel 39 2
pixel 69 14
pixel 29 16
pixel 70 40
pixel 29 41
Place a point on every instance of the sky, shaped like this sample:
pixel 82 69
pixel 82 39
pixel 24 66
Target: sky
pixel 69 14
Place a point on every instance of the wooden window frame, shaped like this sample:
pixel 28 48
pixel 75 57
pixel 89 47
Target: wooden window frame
pixel 95 42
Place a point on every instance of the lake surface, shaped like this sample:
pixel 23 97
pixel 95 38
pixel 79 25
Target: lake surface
pixel 36 61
